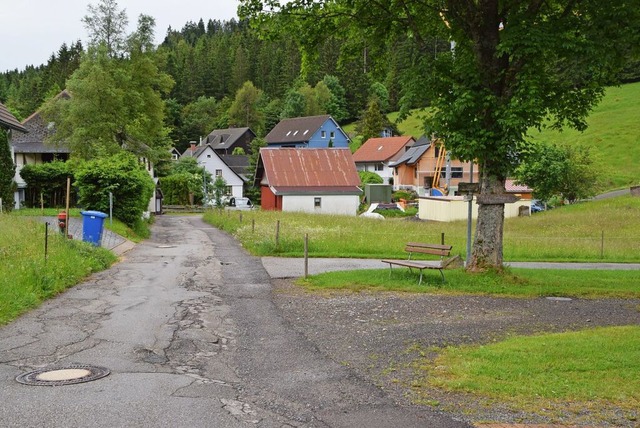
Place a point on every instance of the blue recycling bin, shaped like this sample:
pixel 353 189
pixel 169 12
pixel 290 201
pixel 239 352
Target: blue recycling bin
pixel 92 225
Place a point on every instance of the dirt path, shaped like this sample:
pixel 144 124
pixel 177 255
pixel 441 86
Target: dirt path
pixel 379 335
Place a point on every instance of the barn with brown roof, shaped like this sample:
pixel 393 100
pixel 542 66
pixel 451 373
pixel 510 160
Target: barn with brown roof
pixel 323 181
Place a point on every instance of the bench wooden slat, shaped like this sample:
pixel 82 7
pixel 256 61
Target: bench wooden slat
pixel 417 265
pixel 420 247
pixel 423 245
pixel 425 250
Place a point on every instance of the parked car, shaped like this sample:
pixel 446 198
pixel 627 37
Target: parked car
pixel 537 206
pixel 239 204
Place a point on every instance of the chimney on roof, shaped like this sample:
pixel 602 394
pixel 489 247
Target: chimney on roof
pixel 193 146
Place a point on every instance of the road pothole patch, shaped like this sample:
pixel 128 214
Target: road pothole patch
pixel 63 375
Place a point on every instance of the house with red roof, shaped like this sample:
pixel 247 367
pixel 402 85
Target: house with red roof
pixel 323 181
pixel 376 154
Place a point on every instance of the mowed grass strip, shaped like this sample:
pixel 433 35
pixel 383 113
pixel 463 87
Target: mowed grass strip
pixel 590 366
pixel 513 283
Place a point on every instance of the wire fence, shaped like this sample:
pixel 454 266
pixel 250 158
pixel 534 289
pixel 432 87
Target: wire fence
pixel 337 237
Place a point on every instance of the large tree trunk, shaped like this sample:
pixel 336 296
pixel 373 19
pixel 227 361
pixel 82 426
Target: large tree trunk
pixel 487 246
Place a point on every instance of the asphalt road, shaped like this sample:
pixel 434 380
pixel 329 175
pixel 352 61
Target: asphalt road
pixel 187 325
pixel 285 267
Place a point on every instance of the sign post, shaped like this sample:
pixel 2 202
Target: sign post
pixel 469 189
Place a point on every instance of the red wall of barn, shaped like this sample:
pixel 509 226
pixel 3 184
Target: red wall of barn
pixel 270 201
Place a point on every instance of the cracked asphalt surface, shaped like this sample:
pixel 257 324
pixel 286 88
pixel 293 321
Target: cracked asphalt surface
pixel 188 327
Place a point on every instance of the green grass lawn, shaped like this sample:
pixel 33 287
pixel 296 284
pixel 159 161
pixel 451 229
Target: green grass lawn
pixel 26 278
pixel 606 230
pixel 582 371
pixel 514 283
pixel 605 366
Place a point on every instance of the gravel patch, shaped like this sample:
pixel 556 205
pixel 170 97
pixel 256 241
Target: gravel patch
pixel 379 336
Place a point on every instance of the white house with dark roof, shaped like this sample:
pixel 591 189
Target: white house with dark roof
pixel 225 141
pixel 10 123
pixel 308 132
pixel 30 148
pixel 232 168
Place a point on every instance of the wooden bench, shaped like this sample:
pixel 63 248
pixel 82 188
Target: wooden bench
pixel 422 248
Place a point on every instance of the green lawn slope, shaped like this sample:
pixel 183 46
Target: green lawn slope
pixel 613 133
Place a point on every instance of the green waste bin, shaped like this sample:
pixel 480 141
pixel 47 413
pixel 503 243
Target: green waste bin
pixel 92 226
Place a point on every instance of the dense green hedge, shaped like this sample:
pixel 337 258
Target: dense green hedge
pixel 122 175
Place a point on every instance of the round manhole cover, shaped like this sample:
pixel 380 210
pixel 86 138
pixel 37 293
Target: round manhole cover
pixel 68 375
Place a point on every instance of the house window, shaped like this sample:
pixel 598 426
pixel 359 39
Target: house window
pixel 317 202
pixel 209 156
pixel 228 191
pixel 456 172
pixel 218 173
pixel 323 134
pixel 332 134
pixel 436 151
pixel 380 166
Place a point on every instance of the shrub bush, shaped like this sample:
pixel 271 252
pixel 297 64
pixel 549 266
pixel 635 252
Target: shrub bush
pixel 121 174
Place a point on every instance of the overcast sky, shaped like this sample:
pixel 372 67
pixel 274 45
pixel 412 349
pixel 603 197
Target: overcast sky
pixel 31 30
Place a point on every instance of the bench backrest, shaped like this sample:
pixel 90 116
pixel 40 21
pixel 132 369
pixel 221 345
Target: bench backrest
pixel 435 249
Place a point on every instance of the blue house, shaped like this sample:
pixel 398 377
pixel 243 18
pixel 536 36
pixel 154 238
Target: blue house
pixel 314 132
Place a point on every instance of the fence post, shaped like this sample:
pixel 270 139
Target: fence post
pixel 442 238
pixel 253 225
pixel 602 245
pixel 46 240
pixel 240 217
pixel 306 255
pixel 277 233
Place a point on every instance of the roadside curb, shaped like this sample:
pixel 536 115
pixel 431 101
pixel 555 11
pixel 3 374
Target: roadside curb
pixel 123 248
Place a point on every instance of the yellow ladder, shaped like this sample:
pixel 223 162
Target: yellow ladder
pixel 439 164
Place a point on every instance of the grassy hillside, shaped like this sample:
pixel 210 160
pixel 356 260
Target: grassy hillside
pixel 613 133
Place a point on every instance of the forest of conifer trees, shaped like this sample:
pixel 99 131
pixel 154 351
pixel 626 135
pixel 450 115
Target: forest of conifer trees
pixel 211 62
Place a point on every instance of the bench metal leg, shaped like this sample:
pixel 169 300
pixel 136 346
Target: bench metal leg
pixel 442 275
pixel 420 282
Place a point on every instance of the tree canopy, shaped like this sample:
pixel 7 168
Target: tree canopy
pixel 116 104
pixel 489 69
pixel 566 172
